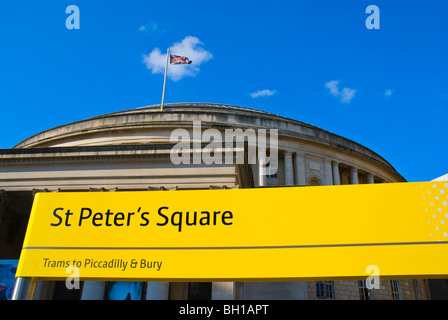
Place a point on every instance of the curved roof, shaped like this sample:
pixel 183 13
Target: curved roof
pixel 210 114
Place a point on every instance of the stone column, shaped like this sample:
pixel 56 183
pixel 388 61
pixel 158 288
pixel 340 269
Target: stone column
pixel 289 174
pixel 370 178
pixel 328 173
pixel 157 290
pixel 299 170
pixel 223 291
pixel 261 172
pixel 336 176
pixel 354 175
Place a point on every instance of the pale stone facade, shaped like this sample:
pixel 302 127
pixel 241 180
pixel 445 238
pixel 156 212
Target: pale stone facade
pixel 130 150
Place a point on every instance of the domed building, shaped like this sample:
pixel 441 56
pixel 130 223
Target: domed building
pixel 132 149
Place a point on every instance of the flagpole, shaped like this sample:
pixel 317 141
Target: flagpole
pixel 164 80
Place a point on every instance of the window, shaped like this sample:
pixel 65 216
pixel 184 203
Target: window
pixel 396 289
pixel 314 182
pixel 416 289
pixel 364 292
pixel 324 290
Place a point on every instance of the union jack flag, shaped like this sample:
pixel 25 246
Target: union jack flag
pixel 179 60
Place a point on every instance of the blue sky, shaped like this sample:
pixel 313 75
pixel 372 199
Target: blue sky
pixel 313 61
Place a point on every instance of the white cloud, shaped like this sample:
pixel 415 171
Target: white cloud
pixel 188 47
pixel 262 93
pixel 346 95
pixel 388 92
pixel 151 26
pixel 333 86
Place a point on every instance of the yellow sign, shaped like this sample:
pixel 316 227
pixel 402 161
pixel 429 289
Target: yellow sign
pixel 301 233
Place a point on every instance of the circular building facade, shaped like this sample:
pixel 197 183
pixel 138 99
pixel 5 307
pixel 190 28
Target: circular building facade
pixel 131 150
pixel 317 156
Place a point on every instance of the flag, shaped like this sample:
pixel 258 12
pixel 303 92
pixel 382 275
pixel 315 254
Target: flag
pixel 179 60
